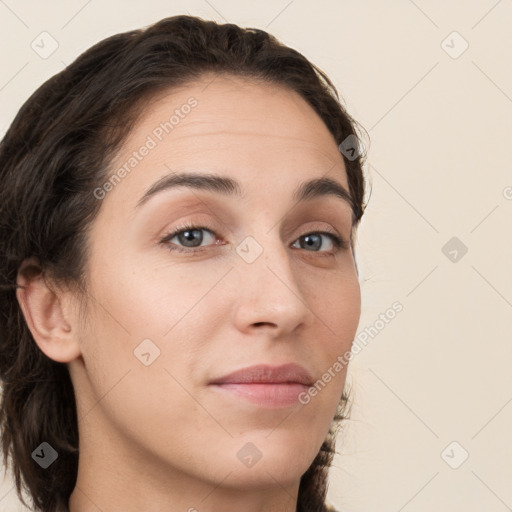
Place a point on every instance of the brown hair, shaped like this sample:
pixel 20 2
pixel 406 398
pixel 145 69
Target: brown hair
pixel 56 152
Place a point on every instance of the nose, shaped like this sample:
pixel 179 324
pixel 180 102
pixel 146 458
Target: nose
pixel 270 294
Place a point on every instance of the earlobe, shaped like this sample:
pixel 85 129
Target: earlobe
pixel 44 314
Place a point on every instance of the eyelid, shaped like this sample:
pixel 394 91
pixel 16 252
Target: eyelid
pixel 187 225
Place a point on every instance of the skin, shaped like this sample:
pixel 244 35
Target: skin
pixel 158 437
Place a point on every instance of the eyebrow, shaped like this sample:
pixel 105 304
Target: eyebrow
pixel 311 189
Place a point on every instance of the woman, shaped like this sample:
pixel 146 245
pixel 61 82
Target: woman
pixel 178 215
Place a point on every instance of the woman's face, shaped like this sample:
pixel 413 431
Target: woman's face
pixel 251 289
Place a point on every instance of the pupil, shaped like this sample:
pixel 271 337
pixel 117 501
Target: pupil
pixel 310 238
pixel 189 235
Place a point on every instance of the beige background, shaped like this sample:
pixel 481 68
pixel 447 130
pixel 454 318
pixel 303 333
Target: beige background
pixel 440 123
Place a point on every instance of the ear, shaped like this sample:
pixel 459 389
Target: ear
pixel 49 322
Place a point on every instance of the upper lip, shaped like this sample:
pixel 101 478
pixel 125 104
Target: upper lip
pixel 292 373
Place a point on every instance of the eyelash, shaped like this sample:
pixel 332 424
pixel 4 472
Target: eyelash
pixel 339 243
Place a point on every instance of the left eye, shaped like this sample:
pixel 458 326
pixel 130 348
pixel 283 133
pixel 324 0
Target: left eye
pixel 192 235
pixel 314 240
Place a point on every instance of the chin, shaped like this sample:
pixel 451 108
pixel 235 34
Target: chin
pixel 261 462
pixel 268 475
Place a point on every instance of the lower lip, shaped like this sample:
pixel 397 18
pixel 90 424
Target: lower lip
pixel 266 395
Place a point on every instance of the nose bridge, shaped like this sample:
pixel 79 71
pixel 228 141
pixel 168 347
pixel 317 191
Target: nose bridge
pixel 269 287
pixel 268 254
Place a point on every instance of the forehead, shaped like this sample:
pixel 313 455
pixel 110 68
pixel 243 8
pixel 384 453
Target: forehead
pixel 258 107
pixel 253 130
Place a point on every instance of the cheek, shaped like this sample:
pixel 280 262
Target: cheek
pixel 163 310
pixel 126 329
pixel 346 312
pixel 146 299
pixel 338 308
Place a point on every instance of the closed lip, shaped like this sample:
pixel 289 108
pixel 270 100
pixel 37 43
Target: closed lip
pixel 267 374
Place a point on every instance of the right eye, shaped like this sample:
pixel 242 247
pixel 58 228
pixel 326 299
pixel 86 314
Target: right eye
pixel 185 234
